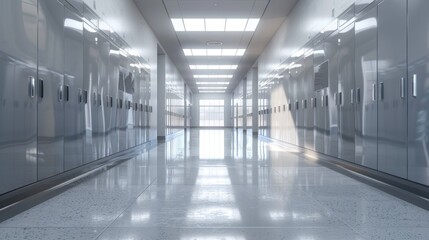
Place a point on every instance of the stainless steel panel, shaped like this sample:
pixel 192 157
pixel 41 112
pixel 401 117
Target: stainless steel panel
pixel 103 112
pixel 18 109
pixel 346 137
pixel 392 71
pixel 319 116
pixel 300 96
pixel 90 84
pixel 331 51
pixel 73 80
pixel 309 86
pixel 366 79
pixel 114 60
pixel 418 111
pixel 50 105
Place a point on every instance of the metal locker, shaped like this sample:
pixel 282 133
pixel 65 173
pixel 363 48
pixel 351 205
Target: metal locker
pixel 318 101
pixel 346 118
pixel 51 89
pixel 103 111
pixel 114 60
pixel 418 94
pixel 299 72
pixel 90 83
pixel 392 73
pixel 365 92
pixel 331 51
pixel 73 90
pixel 18 108
pixel 309 86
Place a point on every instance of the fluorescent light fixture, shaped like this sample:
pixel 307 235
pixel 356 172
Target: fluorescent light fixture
pixel 214 52
pixel 212 83
pixel 188 52
pixel 215 24
pixel 199 52
pixel 212 88
pixel 194 24
pixel 235 25
pixel 212 91
pixel 213 76
pixel 213 67
pixel 240 52
pixel 178 24
pixel 229 52
pixel 252 23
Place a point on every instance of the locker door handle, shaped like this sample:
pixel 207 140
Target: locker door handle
pixel 340 98
pixel 352 96
pixel 67 93
pixel 374 86
pixel 381 91
pixel 402 88
pixel 80 96
pixel 297 105
pixel 41 88
pixel 358 96
pixel 414 87
pixel 60 93
pixel 326 100
pixel 32 87
pixel 85 96
pixel 99 99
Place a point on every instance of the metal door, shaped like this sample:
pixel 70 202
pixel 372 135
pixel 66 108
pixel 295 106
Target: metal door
pixel 318 102
pixel 418 98
pixel 51 90
pixel 113 86
pixel 18 106
pixel 309 86
pixel 90 83
pixel 392 73
pixel 331 51
pixel 73 91
pixel 365 92
pixel 346 137
pixel 103 110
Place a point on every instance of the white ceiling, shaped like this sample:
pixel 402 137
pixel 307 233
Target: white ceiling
pixel 159 12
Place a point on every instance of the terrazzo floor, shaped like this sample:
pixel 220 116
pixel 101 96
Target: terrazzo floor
pixel 209 184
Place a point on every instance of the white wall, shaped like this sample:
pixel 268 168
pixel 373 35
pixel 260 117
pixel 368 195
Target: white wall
pixel 195 121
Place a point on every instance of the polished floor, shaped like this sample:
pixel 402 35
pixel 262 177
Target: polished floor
pixel 220 185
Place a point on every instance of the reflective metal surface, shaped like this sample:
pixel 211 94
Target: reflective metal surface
pixel 418 69
pixel 18 104
pixel 220 184
pixel 392 71
pixel 50 115
pixel 365 79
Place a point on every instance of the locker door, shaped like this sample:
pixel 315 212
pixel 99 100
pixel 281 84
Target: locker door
pixel 300 98
pixel 51 90
pixel 73 95
pixel 113 86
pixel 418 80
pixel 346 137
pixel 392 72
pixel 318 103
pixel 309 76
pixel 331 49
pixel 103 111
pixel 365 92
pixel 90 82
pixel 18 104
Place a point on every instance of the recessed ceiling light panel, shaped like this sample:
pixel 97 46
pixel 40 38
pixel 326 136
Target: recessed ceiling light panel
pixel 213 67
pixel 213 76
pixel 215 24
pixel 214 52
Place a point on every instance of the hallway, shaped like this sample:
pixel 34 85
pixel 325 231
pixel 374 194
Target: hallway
pixel 220 184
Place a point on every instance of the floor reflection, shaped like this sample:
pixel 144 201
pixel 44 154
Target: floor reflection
pixel 220 184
